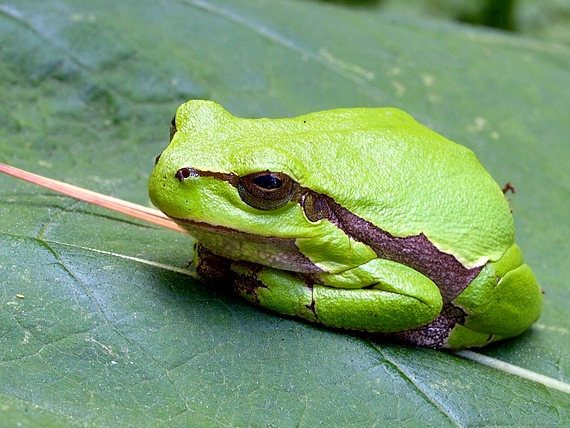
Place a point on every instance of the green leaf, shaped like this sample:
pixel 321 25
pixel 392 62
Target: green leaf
pixel 112 329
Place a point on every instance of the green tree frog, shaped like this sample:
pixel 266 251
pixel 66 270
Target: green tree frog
pixel 356 218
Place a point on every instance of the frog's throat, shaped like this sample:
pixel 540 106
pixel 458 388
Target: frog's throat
pixel 279 253
pixel 415 251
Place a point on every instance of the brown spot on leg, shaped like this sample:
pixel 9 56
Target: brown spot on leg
pixel 213 268
pixel 435 334
pixel 218 270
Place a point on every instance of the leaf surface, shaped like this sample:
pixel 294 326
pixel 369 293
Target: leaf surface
pixel 112 330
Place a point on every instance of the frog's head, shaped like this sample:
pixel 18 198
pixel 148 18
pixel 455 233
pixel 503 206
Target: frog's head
pixel 236 185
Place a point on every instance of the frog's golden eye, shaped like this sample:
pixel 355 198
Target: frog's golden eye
pixel 266 190
pixel 172 127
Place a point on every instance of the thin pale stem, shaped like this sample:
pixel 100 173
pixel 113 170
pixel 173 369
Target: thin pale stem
pixel 137 211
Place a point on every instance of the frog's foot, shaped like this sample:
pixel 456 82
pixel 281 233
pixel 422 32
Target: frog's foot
pixel 504 300
pixel 501 302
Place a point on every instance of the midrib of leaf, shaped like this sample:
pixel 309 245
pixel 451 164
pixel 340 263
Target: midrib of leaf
pixel 170 268
pixel 515 370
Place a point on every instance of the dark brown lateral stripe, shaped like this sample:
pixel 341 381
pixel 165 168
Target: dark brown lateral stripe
pixel 187 172
pixel 416 252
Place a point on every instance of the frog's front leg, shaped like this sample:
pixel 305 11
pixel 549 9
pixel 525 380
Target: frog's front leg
pixel 380 296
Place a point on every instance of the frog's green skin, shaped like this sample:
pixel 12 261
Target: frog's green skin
pixel 357 218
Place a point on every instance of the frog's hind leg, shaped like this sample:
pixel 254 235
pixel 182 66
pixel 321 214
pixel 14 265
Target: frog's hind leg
pixel 397 299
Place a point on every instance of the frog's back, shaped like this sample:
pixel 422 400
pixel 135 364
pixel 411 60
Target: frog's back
pixel 389 169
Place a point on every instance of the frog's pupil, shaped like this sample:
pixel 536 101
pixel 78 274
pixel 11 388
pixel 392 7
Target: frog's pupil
pixel 267 181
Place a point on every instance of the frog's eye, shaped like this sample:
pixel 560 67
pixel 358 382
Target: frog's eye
pixel 172 127
pixel 266 190
pixel 184 173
